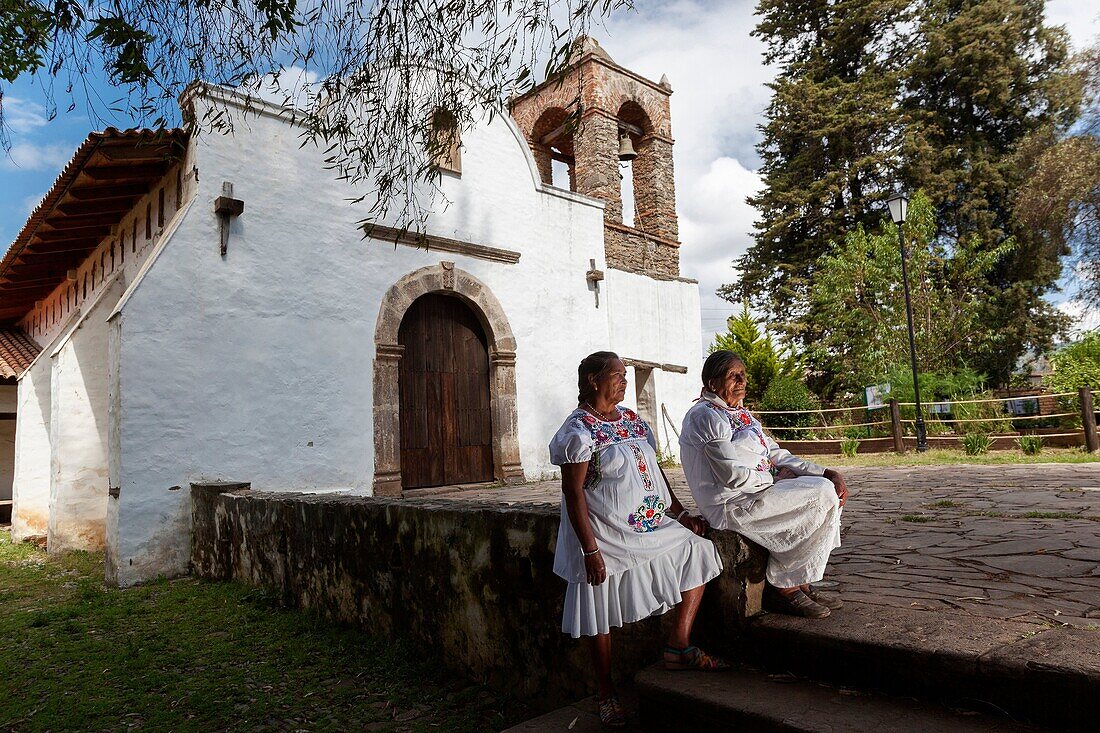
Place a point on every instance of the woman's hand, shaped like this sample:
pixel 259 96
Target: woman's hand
pixel 698 525
pixel 839 483
pixel 785 473
pixel 594 569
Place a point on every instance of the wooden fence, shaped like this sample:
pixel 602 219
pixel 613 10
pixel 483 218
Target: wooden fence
pixel 892 426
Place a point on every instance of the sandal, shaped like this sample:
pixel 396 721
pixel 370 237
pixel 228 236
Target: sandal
pixel 692 657
pixel 612 713
pixel 796 604
pixel 829 600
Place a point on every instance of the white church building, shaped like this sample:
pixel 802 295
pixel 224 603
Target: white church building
pixel 142 350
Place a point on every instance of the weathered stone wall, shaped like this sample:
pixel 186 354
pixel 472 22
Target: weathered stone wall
pixel 473 582
pixel 610 94
pixel 632 250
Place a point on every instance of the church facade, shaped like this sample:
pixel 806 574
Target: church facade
pixel 206 307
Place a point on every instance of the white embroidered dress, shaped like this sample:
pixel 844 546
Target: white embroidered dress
pixel 650 557
pixel 730 462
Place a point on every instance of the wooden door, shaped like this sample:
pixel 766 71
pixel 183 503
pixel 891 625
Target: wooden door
pixel 446 428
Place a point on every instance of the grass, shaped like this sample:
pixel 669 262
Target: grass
pixel 915 518
pixel 939 456
pixel 190 655
pixel 1054 515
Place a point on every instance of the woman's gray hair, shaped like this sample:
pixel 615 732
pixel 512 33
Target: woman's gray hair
pixel 716 366
pixel 592 365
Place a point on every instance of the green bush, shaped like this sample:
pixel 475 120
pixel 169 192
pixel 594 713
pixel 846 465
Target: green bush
pixel 789 394
pixel 976 444
pixel 1031 445
pixel 849 447
pixel 991 415
pixel 1076 365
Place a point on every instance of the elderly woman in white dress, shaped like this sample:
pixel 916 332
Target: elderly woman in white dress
pixel 626 546
pixel 743 481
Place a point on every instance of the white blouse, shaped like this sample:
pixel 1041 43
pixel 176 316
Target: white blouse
pixel 728 458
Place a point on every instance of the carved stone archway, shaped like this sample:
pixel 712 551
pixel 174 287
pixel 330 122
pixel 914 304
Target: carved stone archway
pixel 442 278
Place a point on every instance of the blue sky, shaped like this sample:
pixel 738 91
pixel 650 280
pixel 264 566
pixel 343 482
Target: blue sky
pixel 719 95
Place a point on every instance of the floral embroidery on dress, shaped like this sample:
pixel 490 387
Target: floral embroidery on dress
pixel 647 517
pixel 628 427
pixel 592 475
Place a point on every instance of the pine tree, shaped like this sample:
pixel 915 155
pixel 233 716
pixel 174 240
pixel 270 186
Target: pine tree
pixel 827 143
pixel 764 359
pixel 956 97
pixel 990 80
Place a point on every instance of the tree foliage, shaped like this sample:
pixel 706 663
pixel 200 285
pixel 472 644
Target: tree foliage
pixel 1076 365
pixel 858 303
pixel 379 69
pixel 764 360
pixel 939 95
pixel 1060 200
pixel 827 150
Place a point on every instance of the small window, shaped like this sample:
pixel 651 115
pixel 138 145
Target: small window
pixel 445 146
pixel 160 208
pixel 149 220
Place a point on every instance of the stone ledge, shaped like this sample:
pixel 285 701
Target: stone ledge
pixel 1050 678
pixel 472 580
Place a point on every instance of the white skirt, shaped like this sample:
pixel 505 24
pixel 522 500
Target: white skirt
pixel 798 522
pixel 645 590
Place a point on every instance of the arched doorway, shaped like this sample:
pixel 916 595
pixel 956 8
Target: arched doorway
pixel 444 380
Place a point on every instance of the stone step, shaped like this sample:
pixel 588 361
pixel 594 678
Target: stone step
pixel 750 702
pixel 1046 676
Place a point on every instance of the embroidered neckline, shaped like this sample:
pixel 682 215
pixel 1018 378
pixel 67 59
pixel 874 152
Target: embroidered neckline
pixel 620 410
pixel 604 433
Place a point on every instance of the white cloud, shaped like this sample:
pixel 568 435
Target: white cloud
pixel 1081 19
pixel 30 202
pixel 28 156
pixel 21 115
pixel 1084 317
pixel 291 86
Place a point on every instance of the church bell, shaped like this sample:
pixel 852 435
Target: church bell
pixel 626 148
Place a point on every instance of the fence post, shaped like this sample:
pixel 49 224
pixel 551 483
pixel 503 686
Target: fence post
pixel 895 427
pixel 1088 420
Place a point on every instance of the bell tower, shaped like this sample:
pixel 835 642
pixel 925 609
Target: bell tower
pixel 599 110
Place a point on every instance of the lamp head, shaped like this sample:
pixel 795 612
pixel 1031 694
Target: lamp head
pixel 899 207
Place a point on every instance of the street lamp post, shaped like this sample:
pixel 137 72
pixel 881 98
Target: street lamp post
pixel 899 207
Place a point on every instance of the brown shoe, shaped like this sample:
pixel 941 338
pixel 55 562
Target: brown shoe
pixel 829 600
pixel 797 604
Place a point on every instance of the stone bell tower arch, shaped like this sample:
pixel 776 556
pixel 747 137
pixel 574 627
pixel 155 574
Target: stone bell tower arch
pixel 612 101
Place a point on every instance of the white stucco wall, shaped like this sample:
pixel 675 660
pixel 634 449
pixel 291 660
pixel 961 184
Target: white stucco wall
pixel 656 321
pixel 78 430
pixel 258 366
pixel 31 484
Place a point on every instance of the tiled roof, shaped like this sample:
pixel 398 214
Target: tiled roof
pixel 106 176
pixel 17 352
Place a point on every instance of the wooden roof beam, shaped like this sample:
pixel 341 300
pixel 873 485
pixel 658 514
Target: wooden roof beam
pixel 104 192
pixel 80 208
pixel 93 232
pixel 125 172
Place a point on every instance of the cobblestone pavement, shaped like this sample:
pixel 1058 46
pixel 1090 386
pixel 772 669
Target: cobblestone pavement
pixel 1009 542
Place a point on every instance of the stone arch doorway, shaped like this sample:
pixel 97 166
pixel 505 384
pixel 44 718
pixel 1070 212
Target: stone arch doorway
pixel 443 395
pixel 500 345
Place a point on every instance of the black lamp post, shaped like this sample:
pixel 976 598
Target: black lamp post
pixel 899 207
